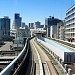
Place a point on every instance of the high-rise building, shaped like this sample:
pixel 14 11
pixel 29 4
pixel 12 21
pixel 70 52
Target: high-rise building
pixel 31 25
pixel 70 24
pixel 23 25
pixel 17 21
pixel 37 24
pixel 41 26
pixel 51 24
pixel 5 27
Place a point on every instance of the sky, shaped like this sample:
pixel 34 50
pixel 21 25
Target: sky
pixel 35 10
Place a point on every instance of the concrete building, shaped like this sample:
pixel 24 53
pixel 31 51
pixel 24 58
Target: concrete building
pixel 39 32
pixel 51 24
pixel 23 25
pixel 23 32
pixel 13 33
pixel 45 27
pixel 5 28
pixel 37 25
pixel 41 26
pixel 70 24
pixel 17 21
pixel 61 30
pixel 20 33
pixel 1 33
pixel 31 25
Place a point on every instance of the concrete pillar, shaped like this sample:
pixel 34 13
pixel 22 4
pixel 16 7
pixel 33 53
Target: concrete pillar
pixel 54 56
pixel 57 58
pixel 53 53
pixel 66 68
pixel 69 71
pixel 62 63
pixel 60 60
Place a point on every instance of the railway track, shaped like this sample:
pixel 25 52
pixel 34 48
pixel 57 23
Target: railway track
pixel 53 61
pixel 43 64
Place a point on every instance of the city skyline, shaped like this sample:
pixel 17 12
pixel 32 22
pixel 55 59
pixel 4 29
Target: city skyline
pixel 32 11
pixel 37 37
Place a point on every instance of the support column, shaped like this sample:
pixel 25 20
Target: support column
pixel 62 63
pixel 66 68
pixel 69 71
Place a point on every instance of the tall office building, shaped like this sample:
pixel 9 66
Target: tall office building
pixel 51 24
pixel 23 25
pixel 37 25
pixel 17 21
pixel 31 25
pixel 5 27
pixel 70 24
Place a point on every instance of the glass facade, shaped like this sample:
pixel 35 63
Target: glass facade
pixel 5 27
pixel 17 21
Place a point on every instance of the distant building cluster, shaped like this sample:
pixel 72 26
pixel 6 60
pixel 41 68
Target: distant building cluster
pixel 62 29
pixel 53 27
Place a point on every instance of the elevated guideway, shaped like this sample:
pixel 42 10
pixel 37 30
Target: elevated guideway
pixel 63 55
pixel 43 65
pixel 36 58
pixel 19 65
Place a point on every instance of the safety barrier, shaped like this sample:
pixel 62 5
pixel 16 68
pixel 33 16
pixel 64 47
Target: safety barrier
pixel 64 42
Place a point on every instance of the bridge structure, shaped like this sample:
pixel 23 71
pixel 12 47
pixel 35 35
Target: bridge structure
pixel 42 56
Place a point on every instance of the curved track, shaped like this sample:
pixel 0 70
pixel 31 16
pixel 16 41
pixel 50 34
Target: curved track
pixel 46 65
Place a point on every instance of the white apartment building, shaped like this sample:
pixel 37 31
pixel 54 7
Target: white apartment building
pixel 70 24
pixel 21 32
pixel 60 30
